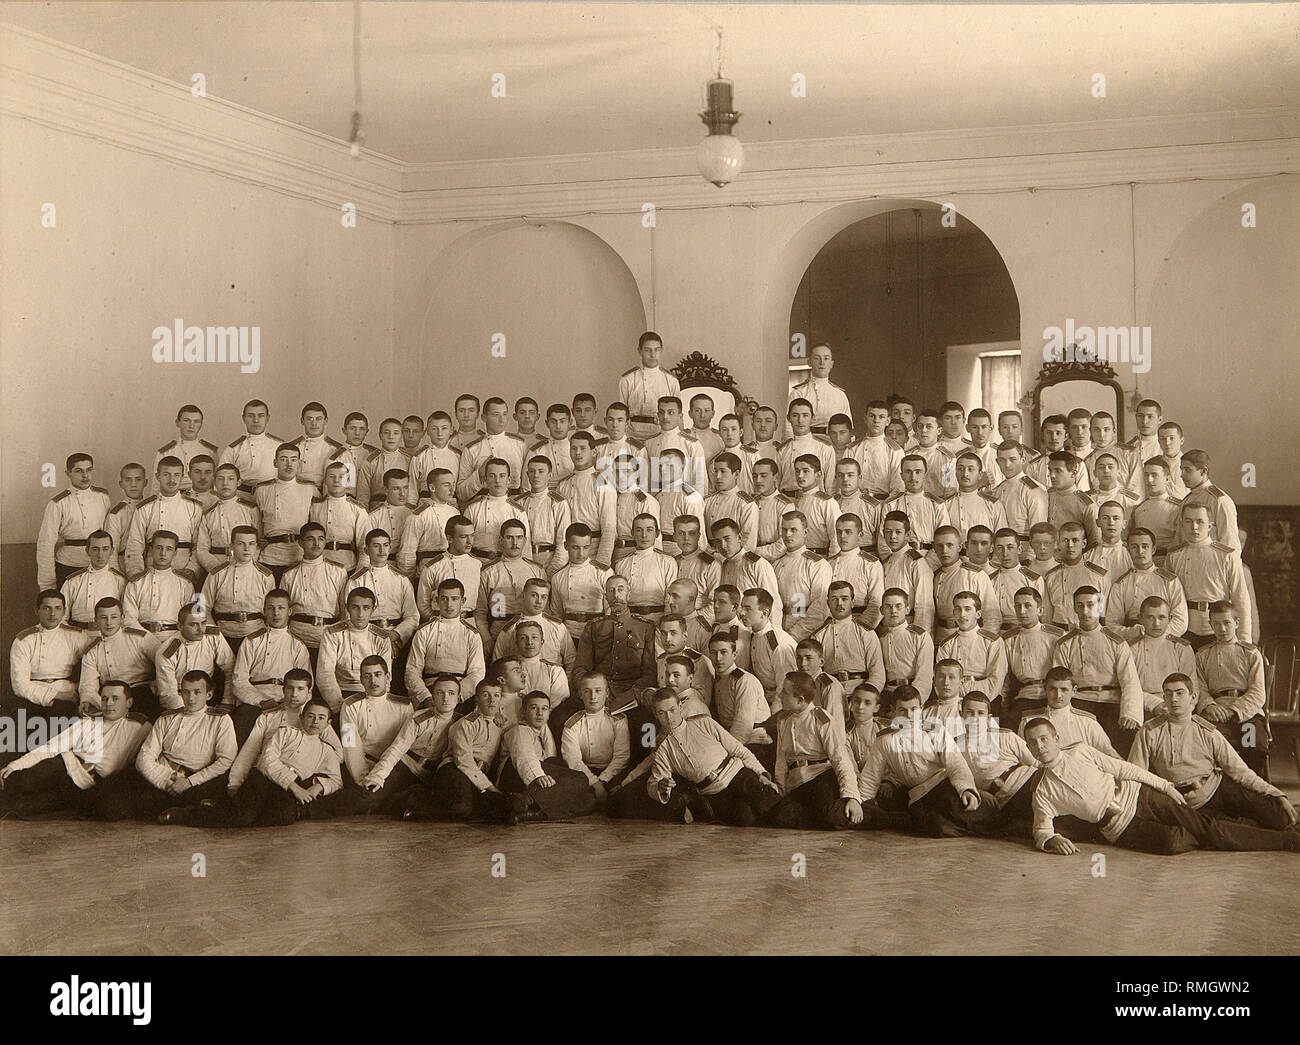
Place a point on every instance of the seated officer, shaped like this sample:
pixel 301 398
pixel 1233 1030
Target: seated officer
pixel 539 785
pixel 462 788
pixel 290 760
pixel 1003 767
pixel 369 725
pixel 1231 676
pixel 698 752
pixel 43 662
pixel 406 768
pixel 1187 750
pixel 1073 725
pixel 594 742
pixel 817 778
pixel 197 647
pixel 58 774
pixel 930 787
pixel 184 759
pixel 1132 808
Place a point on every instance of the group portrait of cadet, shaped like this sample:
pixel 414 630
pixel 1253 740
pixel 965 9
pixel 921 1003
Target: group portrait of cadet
pixel 822 614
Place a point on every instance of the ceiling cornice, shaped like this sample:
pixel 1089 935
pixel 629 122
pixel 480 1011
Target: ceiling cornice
pixel 68 89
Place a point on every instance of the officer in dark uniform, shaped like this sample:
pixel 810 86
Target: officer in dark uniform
pixel 620 645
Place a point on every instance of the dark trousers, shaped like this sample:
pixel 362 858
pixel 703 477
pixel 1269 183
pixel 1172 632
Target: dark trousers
pixel 1107 714
pixel 21 713
pixel 355 800
pixel 816 804
pixel 243 717
pixel 937 814
pixel 1161 825
pixel 1250 740
pixel 744 801
pixel 633 802
pixel 127 795
pixel 44 788
pixel 1232 800
pixel 454 797
pixel 258 802
pixel 1198 641
pixel 571 796
pixel 1013 819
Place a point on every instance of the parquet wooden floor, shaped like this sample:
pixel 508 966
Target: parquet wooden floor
pixel 368 886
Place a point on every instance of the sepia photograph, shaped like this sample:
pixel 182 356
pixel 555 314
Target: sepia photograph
pixel 650 479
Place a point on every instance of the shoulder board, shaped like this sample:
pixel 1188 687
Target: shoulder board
pixel 784 497
pixel 333 442
pixel 820 715
pixel 263 569
pixel 1071 633
pixel 1083 714
pixel 264 482
pixel 1114 635
pixel 337 627
pixel 147 500
pixel 1178 639
pixel 914 554
pixel 398 698
pixel 464 622
pixel 935 498
pixel 136 716
pixel 78 573
pixel 1164 574
pixel 772 640
pixel 117 508
pixel 354 698
pixel 477 497
pixel 988 495
pixel 207 445
pixel 169 714
pixel 219 711
pixel 643 620
pixel 916 629
pixel 295 442
pixel 950 497
pixel 629 373
pixel 574 719
pixel 1206 725
pixel 1222 547
pixel 781 445
pixel 342 450
pixel 823 439
pixel 1095 567
pixel 1083 498
pixel 220 568
pixel 555 496
pixel 235 442
pixel 28 631
pixel 136 631
pixel 1216 491
pixel 1175 548
pixel 171 647
pixel 1053 629
pixel 305 482
pixel 195 500
pixel 257 634
pixel 751 447
pixel 705 557
pixel 315 500
pixel 1248 646
pixel 811 556
pixel 752 557
pixel 166 446
pixel 474 442
pixel 548 615
pixel 1033 484
pixel 375 456
pixel 868 556
pixel 100 489
pixel 989 633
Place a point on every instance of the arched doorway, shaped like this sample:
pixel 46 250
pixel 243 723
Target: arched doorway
pixel 914 301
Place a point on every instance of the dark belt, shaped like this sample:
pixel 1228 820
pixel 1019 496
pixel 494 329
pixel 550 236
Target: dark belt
pixel 280 538
pixel 894 683
pixel 709 778
pixel 80 626
pixel 340 546
pixel 1226 693
pixel 625 542
pixel 799 763
pixel 421 556
pixel 1031 682
pixel 1198 605
pixel 187 545
pixel 927 545
pixel 386 622
pixel 594 533
pixel 305 618
pixel 543 547
pixel 218 551
pixel 1007 772
pixel 427 675
pixel 643 419
pixel 861 609
pixel 1009 625
pixel 820 551
pixel 245 487
pixel 820 429
pixel 157 625
pixel 646 607
pixel 583 616
pixel 266 682
pixel 863 675
pixel 76 542
pixel 243 617
pixel 1097 689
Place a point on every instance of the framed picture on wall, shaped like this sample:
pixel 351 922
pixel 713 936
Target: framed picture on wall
pixel 1273 554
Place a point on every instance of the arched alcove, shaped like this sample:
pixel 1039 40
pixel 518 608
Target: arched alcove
pixel 558 303
pixel 895 291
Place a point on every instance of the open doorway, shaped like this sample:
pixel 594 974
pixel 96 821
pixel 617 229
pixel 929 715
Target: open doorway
pixel 894 292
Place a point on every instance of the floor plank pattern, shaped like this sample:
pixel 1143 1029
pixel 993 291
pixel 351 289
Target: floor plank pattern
pixel 369 886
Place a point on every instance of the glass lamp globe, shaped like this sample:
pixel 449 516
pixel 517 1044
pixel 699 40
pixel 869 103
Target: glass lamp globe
pixel 720 158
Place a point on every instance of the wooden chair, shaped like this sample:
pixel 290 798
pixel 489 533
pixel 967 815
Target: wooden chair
pixel 1282 683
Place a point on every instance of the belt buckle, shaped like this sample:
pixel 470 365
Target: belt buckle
pixel 242 616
